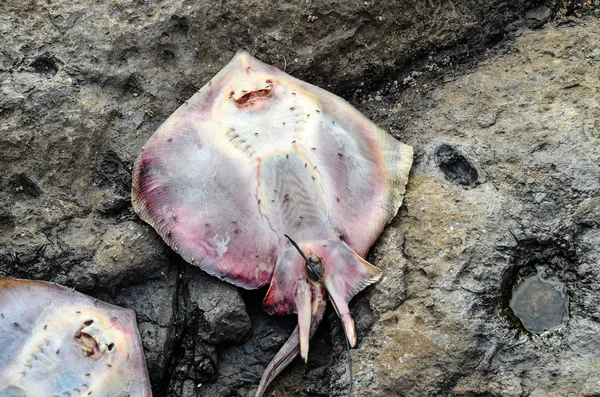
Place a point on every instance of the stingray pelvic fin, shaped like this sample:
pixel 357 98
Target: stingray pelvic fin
pixel 291 292
pixel 291 347
pixel 304 309
pixel 345 274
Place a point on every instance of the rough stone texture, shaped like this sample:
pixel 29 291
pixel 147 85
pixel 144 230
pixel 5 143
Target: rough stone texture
pixel 525 131
pixel 217 310
pixel 506 177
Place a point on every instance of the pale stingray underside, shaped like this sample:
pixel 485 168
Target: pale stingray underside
pixel 58 342
pixel 257 154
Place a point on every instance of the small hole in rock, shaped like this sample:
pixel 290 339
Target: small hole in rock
pixel 133 85
pixel 455 167
pixel 533 293
pixel 540 303
pixel 110 346
pixel 44 65
pixel 22 184
pixel 88 323
pixel 168 57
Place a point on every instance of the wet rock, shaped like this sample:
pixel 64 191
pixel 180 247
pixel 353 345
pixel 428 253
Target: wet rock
pixel 241 366
pixel 390 291
pixel 217 310
pixel 44 64
pixel 227 369
pixel 112 203
pixel 541 304
pixel 174 35
pixel 197 365
pixel 128 254
pixel 22 184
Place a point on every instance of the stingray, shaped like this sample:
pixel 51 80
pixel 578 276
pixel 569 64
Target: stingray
pixel 58 342
pixel 256 155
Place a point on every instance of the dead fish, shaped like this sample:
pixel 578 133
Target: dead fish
pixel 256 155
pixel 58 342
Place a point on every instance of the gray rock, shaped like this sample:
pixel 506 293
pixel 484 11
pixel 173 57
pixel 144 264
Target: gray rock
pixel 155 304
pixel 537 16
pixel 588 213
pixel 465 249
pixel 82 87
pixel 217 310
pixel 128 254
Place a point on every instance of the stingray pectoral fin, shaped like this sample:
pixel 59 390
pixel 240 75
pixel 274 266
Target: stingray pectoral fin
pixel 291 347
pixel 303 307
pixel 345 274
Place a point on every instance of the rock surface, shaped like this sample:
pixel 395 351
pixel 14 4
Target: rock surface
pixel 506 178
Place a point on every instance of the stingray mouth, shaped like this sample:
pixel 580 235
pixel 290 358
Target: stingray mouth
pixel 88 341
pixel 89 345
pixel 246 98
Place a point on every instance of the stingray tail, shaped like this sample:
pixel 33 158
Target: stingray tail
pixel 345 274
pixel 291 348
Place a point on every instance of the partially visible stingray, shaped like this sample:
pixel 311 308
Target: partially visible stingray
pixel 257 154
pixel 58 342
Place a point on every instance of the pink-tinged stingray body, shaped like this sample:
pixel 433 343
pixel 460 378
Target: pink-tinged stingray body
pixel 57 342
pixel 257 154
